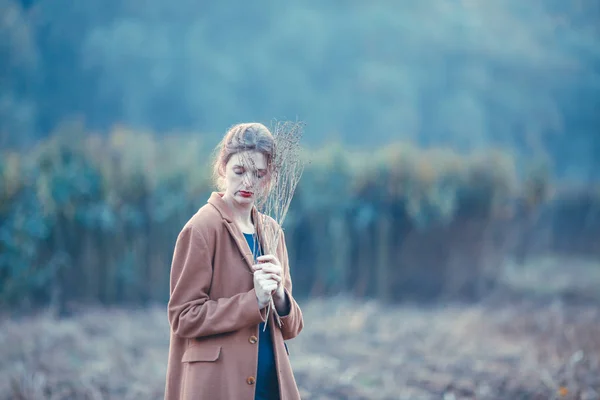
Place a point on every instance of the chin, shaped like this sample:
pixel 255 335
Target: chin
pixel 244 200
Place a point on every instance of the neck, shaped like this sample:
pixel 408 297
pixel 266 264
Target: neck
pixel 242 213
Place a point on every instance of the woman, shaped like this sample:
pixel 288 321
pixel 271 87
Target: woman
pixel 221 286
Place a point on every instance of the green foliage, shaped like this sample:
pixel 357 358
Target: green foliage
pixel 468 75
pixel 92 217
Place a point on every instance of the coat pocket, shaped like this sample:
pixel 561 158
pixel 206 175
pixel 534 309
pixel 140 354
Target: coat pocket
pixel 201 353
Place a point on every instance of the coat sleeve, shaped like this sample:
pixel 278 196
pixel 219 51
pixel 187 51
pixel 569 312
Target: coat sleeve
pixel 293 322
pixel 190 311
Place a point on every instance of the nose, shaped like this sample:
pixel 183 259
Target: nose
pixel 249 180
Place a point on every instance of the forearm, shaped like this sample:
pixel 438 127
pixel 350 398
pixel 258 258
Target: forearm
pixel 291 317
pixel 286 306
pixel 282 303
pixel 197 319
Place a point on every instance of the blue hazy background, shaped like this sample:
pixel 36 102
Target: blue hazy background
pixel 444 239
pixel 464 74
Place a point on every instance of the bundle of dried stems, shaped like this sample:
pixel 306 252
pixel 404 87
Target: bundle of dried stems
pixel 273 199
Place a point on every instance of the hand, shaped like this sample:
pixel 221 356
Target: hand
pixel 270 263
pixel 267 279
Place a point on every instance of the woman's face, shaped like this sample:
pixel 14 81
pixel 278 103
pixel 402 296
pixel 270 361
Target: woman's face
pixel 245 176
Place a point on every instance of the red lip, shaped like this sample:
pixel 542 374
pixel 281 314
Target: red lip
pixel 243 193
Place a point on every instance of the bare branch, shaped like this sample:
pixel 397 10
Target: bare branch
pixel 286 168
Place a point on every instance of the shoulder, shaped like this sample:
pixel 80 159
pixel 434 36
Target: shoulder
pixel 272 228
pixel 268 221
pixel 206 222
pixel 269 225
pixel 206 218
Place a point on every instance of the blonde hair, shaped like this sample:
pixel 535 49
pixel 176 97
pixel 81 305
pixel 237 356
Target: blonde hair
pixel 250 136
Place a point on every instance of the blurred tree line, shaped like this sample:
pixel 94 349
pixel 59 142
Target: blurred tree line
pixel 94 218
pixel 466 74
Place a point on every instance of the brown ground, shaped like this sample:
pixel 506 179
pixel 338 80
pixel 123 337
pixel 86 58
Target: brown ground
pixel 459 352
pixel 349 349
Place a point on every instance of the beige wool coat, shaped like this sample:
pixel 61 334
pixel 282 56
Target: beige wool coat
pixel 214 315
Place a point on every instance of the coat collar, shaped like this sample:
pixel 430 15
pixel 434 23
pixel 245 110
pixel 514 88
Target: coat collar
pixel 216 200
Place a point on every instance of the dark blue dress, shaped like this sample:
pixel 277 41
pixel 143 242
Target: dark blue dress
pixel 267 387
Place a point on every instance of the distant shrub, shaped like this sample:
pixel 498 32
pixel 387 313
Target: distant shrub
pixel 94 218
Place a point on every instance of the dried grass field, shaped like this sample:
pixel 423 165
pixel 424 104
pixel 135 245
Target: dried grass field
pixel 349 349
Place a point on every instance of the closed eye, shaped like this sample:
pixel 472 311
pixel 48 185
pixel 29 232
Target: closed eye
pixel 238 170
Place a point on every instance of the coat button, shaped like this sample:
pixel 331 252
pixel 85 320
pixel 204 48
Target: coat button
pixel 251 380
pixel 252 339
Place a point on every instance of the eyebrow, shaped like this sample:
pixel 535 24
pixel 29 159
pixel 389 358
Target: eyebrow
pixel 241 166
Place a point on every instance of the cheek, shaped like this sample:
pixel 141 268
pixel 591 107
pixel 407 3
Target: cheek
pixel 233 180
pixel 263 183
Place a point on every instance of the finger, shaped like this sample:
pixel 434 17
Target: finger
pixel 261 274
pixel 269 287
pixel 269 281
pixel 270 277
pixel 266 265
pixel 263 277
pixel 272 269
pixel 268 258
pixel 263 267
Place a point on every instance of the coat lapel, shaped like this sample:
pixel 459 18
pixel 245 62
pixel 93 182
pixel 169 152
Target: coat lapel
pixel 216 199
pixel 241 243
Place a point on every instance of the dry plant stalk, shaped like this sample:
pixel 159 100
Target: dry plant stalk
pixel 273 201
